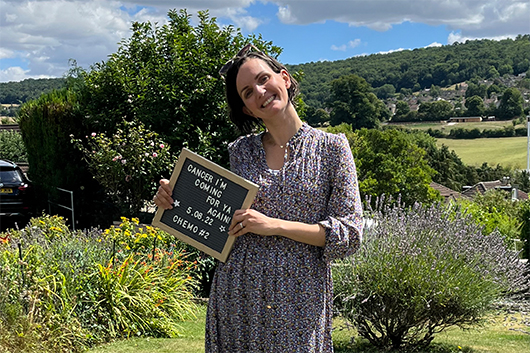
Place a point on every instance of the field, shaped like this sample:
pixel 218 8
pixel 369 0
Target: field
pixel 506 151
pixel 446 127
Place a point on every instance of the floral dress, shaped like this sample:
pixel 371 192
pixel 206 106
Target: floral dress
pixel 274 294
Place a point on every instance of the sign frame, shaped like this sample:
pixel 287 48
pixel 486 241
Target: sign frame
pixel 208 166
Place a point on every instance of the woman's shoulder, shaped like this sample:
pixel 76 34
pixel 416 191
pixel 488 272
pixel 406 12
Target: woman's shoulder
pixel 329 139
pixel 246 142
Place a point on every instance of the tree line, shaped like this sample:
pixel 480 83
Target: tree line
pixel 419 68
pixel 26 90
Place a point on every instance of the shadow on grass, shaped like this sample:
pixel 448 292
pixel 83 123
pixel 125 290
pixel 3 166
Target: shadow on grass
pixel 363 346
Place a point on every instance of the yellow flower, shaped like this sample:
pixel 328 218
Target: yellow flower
pixel 136 220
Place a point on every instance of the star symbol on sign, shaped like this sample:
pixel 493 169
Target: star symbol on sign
pixel 176 203
pixel 222 229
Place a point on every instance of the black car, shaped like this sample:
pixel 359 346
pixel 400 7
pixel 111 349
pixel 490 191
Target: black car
pixel 16 192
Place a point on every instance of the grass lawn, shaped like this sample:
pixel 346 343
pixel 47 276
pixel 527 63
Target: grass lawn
pixel 506 151
pixel 501 334
pixel 446 127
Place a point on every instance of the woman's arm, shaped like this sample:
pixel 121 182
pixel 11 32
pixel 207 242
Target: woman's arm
pixel 252 221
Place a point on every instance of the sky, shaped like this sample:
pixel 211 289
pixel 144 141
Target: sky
pixel 39 38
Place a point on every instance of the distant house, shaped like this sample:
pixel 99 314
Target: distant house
pixel 447 194
pixel 466 119
pixel 484 186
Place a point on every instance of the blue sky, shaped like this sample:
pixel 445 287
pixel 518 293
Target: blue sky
pixel 39 37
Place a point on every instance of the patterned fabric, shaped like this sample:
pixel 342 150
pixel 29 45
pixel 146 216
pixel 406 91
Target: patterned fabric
pixel 274 294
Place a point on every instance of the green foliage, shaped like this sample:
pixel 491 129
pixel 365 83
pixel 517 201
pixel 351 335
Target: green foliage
pixel 167 78
pixel 418 68
pixel 128 164
pixel 524 216
pixel 29 89
pixel 390 163
pixel 496 212
pixel 511 104
pixel 64 291
pixel 434 111
pixel 475 106
pixel 46 125
pixel 13 148
pixel 352 102
pixel 419 271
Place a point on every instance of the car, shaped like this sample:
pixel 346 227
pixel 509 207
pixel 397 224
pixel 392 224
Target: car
pixel 16 192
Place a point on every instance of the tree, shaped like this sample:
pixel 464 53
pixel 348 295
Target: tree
pixel 167 78
pixel 46 125
pixel 475 106
pixel 316 117
pixel 390 163
pixel 353 102
pixel 511 105
pixel 385 91
pixel 432 111
pixel 402 109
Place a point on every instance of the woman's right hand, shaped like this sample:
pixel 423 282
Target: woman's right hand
pixel 163 197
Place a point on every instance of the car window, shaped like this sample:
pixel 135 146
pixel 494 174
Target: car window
pixel 10 176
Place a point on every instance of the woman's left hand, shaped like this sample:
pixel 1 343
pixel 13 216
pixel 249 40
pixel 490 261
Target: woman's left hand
pixel 252 221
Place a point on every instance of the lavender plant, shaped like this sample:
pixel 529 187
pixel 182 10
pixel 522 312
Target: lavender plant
pixel 421 270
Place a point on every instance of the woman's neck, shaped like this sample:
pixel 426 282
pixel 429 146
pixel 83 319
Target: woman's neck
pixel 282 130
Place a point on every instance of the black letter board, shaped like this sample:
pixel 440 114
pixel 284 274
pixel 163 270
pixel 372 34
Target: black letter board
pixel 206 197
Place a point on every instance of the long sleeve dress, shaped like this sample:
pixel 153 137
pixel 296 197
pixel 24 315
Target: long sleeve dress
pixel 274 294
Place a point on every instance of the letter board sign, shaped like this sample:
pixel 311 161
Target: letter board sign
pixel 205 198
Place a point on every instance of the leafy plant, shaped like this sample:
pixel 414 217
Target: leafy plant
pixel 421 270
pixel 127 163
pixel 63 291
pixel 13 148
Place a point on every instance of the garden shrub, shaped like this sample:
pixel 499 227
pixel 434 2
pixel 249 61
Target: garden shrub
pixel 13 148
pixel 128 164
pixel 419 271
pixel 63 291
pixel 46 125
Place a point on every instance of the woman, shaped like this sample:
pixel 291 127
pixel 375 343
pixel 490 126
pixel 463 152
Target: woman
pixel 274 293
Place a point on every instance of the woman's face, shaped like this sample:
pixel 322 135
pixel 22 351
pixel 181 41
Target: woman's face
pixel 263 91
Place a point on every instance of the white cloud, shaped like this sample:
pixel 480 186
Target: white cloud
pixel 351 44
pixel 285 15
pixel 474 18
pixel 391 51
pixel 13 74
pixel 45 34
pixel 434 44
pixel 354 43
pixel 338 48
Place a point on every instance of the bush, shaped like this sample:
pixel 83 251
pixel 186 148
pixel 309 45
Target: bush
pixel 13 148
pixel 127 164
pixel 62 291
pixel 46 126
pixel 419 271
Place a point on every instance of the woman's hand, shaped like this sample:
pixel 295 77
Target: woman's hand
pixel 163 197
pixel 252 221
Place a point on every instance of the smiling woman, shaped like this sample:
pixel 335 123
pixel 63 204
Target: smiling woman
pixel 274 292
